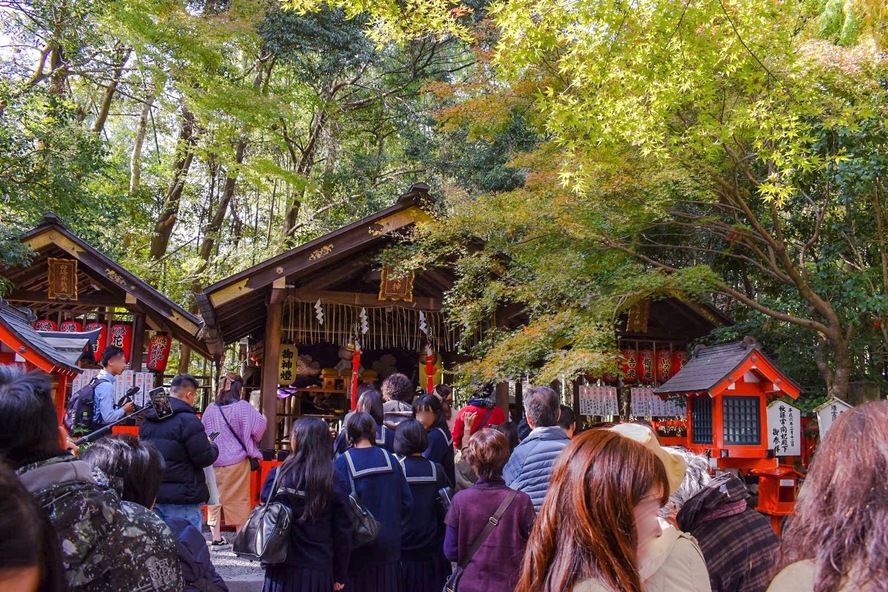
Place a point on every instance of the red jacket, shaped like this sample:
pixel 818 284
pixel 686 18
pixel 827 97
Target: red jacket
pixel 496 418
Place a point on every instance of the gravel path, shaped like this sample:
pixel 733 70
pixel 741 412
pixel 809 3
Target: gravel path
pixel 241 575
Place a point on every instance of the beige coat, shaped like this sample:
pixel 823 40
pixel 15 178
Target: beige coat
pixel 799 577
pixel 672 563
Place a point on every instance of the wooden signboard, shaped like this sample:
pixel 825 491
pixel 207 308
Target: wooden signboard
pixel 62 279
pixel 784 429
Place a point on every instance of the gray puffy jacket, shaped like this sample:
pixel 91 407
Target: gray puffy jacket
pixel 530 466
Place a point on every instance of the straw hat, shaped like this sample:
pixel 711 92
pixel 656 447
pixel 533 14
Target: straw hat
pixel 672 459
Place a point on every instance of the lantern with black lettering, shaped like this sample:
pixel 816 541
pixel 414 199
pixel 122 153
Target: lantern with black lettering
pixel 159 352
pixel 71 327
pixel 45 325
pixel 287 368
pixel 646 366
pixel 122 336
pixel 679 359
pixel 664 365
pixel 101 342
pixel 630 366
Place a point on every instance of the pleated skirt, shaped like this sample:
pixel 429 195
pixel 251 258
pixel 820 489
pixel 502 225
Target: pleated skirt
pixel 424 575
pixel 283 578
pixel 376 577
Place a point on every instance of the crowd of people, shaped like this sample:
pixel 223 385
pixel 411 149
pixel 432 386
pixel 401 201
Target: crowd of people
pixel 537 508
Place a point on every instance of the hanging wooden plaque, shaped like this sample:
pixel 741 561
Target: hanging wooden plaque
pixel 396 289
pixel 62 279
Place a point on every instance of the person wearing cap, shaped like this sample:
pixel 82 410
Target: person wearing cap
pixel 599 529
pixel 668 560
pixel 530 466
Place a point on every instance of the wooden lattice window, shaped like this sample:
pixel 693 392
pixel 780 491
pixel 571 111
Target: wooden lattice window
pixel 742 420
pixel 701 420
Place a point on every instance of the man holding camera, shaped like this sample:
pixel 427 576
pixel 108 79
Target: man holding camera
pixel 182 440
pixel 113 364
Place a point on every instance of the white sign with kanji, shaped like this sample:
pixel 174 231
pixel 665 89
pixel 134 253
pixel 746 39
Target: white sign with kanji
pixel 784 429
pixel 598 401
pixel 828 413
pixel 644 403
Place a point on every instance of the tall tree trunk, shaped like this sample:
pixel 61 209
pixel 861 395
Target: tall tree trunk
pixel 110 91
pixel 136 155
pixel 304 164
pixel 163 229
pixel 263 72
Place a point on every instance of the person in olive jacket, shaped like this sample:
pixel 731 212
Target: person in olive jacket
pixel 183 442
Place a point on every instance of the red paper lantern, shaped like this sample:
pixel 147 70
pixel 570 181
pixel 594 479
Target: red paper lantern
pixel 646 366
pixel 679 359
pixel 664 365
pixel 630 366
pixel 102 340
pixel 71 327
pixel 122 336
pixel 159 352
pixel 45 325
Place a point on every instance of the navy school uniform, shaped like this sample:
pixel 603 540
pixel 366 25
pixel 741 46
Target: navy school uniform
pixel 385 438
pixel 319 551
pixel 423 566
pixel 380 485
pixel 440 451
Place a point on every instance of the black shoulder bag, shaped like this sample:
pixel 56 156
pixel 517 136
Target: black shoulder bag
pixel 254 462
pixel 452 583
pixel 266 535
pixel 365 527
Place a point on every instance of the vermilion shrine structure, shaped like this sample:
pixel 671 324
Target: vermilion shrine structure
pixel 71 287
pixel 308 306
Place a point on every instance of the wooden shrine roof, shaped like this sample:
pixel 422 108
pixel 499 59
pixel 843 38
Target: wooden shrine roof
pixel 713 368
pixel 101 282
pixel 338 267
pixel 58 356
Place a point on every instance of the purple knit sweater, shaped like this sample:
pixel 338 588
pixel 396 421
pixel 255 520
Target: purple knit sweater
pixel 248 423
pixel 496 565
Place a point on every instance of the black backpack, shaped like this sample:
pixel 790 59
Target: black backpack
pixel 80 411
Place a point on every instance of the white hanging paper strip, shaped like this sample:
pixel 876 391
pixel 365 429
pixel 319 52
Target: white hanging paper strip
pixel 365 324
pixel 319 312
pixel 422 323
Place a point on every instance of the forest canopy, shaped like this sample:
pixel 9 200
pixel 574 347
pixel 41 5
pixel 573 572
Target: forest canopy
pixel 592 154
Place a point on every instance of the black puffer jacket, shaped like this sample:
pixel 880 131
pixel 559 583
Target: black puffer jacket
pixel 183 442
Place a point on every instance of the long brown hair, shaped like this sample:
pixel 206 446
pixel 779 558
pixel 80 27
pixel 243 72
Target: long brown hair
pixel 841 521
pixel 586 527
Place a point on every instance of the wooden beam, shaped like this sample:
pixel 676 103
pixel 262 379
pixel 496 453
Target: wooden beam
pixel 360 299
pixel 83 300
pixel 138 342
pixel 332 277
pixel 270 363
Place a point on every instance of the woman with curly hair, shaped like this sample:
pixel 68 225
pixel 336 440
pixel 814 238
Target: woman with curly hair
pixel 838 539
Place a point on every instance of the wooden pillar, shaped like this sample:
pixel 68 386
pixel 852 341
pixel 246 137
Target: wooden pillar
pixel 502 397
pixel 61 394
pixel 138 342
pixel 270 361
pixel 519 401
pixel 575 402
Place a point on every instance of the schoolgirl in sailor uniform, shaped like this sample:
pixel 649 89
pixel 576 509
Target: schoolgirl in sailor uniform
pixel 377 478
pixel 423 565
pixel 430 414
